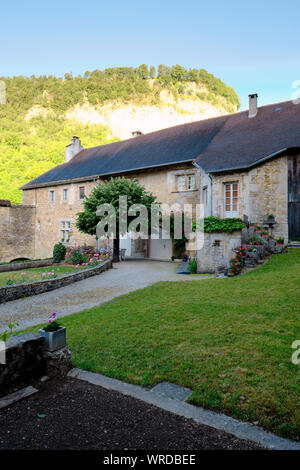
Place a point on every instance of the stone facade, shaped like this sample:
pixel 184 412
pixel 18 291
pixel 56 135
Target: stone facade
pixel 53 211
pixel 31 230
pixel 17 231
pixel 263 190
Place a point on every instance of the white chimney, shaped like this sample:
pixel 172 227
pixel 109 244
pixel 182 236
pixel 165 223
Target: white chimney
pixel 74 148
pixel 252 105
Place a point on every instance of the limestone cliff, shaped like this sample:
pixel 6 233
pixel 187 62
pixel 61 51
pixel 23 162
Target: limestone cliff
pixel 124 118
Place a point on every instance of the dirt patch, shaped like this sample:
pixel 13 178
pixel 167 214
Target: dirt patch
pixel 70 414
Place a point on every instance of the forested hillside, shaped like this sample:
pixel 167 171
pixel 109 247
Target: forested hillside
pixel 34 129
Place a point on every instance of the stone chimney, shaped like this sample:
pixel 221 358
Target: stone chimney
pixel 136 133
pixel 252 105
pixel 74 148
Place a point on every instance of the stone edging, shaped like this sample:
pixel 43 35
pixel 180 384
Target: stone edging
pixel 18 291
pixel 240 429
pixel 5 268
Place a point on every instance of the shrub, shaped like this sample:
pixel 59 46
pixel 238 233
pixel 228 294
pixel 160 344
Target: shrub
pixel 215 224
pixel 59 252
pixel 193 266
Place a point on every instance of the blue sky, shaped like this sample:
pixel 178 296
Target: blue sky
pixel 251 45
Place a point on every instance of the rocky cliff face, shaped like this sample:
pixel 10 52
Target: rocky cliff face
pixel 124 118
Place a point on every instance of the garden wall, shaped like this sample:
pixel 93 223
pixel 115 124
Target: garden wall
pixel 33 288
pixel 4 268
pixel 211 257
pixel 23 360
pixel 17 231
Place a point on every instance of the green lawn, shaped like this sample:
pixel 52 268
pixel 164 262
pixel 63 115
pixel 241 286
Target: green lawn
pixel 35 274
pixel 228 339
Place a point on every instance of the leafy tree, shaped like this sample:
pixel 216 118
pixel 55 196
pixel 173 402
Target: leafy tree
pixel 178 73
pixel 109 193
pixel 143 71
pixel 152 72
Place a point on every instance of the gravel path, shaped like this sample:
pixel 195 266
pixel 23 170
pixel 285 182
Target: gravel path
pixel 125 277
pixel 69 414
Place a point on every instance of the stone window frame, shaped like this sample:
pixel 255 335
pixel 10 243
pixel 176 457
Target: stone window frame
pixel 84 192
pixel 65 228
pixel 65 191
pixel 52 195
pixel 185 174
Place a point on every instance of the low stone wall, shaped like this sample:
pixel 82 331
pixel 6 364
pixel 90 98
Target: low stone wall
pixel 18 291
pixel 217 251
pixel 4 268
pixel 24 360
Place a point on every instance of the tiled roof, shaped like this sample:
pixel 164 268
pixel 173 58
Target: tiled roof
pixel 219 144
pixel 168 146
pixel 243 142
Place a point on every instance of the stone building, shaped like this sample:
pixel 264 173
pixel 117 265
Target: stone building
pixel 246 163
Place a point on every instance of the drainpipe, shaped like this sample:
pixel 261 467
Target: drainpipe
pixel 211 195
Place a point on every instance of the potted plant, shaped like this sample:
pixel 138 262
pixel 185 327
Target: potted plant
pixel 280 241
pixel 251 225
pixel 258 229
pixel 54 333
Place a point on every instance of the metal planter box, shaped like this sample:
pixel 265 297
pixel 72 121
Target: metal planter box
pixel 54 340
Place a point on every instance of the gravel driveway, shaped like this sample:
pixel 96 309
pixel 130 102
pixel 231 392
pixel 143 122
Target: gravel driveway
pixel 125 277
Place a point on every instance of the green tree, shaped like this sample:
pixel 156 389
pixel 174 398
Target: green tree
pixel 178 72
pixel 109 193
pixel 152 72
pixel 143 71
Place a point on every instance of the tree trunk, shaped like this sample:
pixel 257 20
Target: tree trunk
pixel 116 258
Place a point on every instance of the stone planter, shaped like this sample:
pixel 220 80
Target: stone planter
pixel 54 340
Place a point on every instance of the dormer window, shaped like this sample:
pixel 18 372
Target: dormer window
pixel 186 182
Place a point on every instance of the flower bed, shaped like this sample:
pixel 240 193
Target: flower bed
pixel 87 256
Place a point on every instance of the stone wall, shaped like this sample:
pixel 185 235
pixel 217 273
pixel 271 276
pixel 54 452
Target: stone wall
pixel 262 191
pixel 24 360
pixel 50 215
pixel 18 291
pixel 4 268
pixel 217 250
pixel 17 231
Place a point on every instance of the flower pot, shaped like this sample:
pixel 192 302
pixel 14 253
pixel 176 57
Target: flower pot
pixel 54 340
